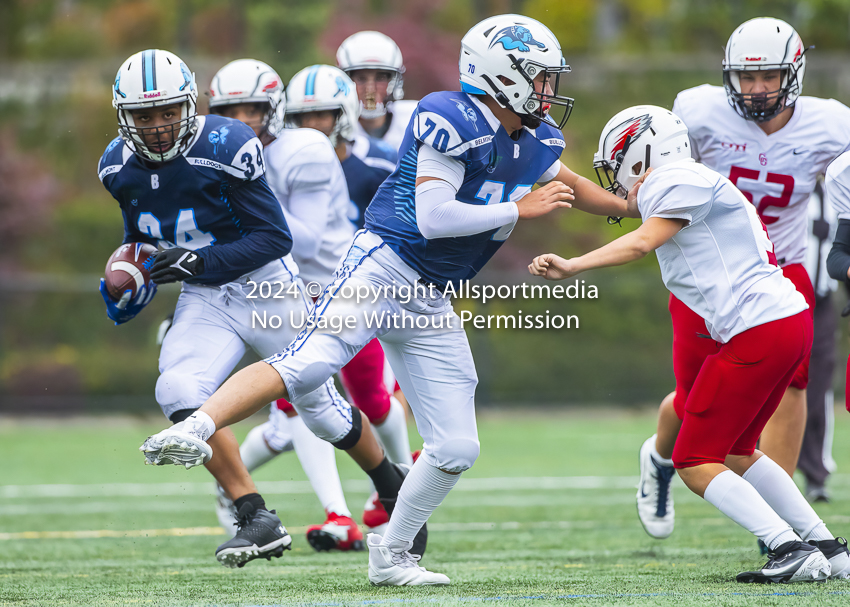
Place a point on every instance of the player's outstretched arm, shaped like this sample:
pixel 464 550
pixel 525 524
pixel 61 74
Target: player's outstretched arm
pixel 595 200
pixel 653 233
pixel 545 199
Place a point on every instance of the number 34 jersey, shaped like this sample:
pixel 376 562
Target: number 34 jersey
pixel 497 169
pixel 212 199
pixel 777 172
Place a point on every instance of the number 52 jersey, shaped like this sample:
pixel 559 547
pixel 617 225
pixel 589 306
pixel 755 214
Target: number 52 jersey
pixel 212 199
pixel 777 172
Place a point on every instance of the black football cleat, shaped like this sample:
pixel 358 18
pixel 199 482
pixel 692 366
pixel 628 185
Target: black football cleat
pixel 260 535
pixel 420 542
pixel 790 562
pixel 839 557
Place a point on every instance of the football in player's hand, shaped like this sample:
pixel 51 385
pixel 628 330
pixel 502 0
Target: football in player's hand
pixel 129 268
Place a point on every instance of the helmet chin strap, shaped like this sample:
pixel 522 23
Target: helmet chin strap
pixel 528 120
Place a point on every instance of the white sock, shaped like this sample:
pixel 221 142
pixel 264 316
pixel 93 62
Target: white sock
pixel 200 424
pixel 254 450
pixel 393 434
pixel 658 459
pixel 778 490
pixel 739 500
pixel 423 490
pixel 318 458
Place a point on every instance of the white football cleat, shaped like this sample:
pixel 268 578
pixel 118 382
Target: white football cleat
pixel 174 446
pixel 225 511
pixel 790 563
pixel 393 565
pixel 839 558
pixel 655 494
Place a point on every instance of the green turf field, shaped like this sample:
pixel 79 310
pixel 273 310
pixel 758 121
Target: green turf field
pixel 546 516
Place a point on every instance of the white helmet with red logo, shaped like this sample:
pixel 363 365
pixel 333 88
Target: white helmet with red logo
pixel 250 81
pixel 764 44
pixel 636 139
pixel 373 51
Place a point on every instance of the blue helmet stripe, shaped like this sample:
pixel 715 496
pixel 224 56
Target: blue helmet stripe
pixel 311 81
pixel 149 70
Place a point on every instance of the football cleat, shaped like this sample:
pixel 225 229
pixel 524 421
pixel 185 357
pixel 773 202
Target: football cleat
pixel 260 535
pixel 336 533
pixel 225 511
pixel 838 555
pixel 175 446
pixel 791 562
pixel 655 494
pixel 393 565
pixel 375 517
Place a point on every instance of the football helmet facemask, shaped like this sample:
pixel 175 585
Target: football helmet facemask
pixel 764 44
pixel 504 57
pixel 250 81
pixel 149 79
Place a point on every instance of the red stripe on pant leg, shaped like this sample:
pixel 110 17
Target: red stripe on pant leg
pixel 363 378
pixel 689 350
pixel 725 406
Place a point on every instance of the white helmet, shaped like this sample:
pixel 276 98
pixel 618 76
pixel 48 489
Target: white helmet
pixel 764 44
pixel 250 81
pixel 149 79
pixel 635 139
pixel 324 87
pixel 514 49
pixel 373 51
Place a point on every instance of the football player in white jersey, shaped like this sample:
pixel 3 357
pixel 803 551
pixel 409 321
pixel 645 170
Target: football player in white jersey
pixel 374 62
pixel 307 181
pixel 715 256
pixel 307 188
pixel 465 177
pixel 837 185
pixel 771 143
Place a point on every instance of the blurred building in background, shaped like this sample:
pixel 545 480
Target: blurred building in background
pixel 58 58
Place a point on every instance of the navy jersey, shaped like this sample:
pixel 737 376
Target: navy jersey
pixel 371 161
pixel 212 199
pixel 498 169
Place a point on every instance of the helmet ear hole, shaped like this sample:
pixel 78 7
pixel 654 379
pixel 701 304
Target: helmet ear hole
pixel 636 167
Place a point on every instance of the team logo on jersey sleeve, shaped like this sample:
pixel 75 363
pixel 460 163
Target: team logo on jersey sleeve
pixel 516 37
pixel 468 113
pixel 219 137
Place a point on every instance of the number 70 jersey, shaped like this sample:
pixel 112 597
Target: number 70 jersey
pixel 497 168
pixel 778 172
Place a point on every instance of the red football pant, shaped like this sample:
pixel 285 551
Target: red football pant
pixel 692 344
pixel 738 389
pixel 363 379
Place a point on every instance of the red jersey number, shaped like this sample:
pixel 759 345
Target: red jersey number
pixel 781 201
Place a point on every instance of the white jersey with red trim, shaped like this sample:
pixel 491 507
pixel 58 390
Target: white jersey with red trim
pixel 721 265
pixel 777 172
pixel 401 112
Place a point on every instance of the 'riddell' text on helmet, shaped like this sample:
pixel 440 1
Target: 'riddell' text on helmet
pixel 324 88
pixel 250 81
pixel 764 44
pixel 149 79
pixel 517 61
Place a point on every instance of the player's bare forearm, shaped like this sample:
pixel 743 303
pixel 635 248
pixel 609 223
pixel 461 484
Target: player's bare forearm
pixel 245 393
pixel 591 198
pixel 630 247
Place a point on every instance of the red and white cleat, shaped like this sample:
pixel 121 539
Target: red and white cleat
pixel 336 533
pixel 375 517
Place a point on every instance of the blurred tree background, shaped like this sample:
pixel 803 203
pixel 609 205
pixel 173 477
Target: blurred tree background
pixel 59 352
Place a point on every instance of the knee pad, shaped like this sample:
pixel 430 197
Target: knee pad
pixel 178 391
pixel 457 454
pixel 350 439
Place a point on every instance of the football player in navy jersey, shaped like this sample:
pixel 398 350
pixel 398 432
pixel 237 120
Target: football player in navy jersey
pixel 468 163
pixel 195 186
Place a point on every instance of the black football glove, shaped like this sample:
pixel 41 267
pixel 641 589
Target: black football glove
pixel 174 265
